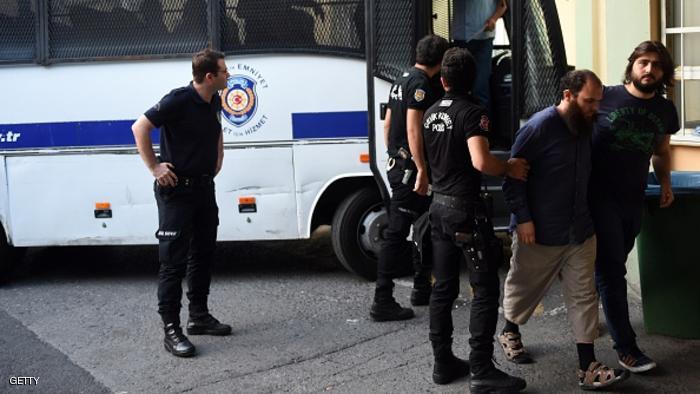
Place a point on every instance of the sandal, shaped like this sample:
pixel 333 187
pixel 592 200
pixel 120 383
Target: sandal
pixel 598 376
pixel 513 348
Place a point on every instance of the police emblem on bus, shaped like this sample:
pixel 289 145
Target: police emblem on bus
pixel 239 100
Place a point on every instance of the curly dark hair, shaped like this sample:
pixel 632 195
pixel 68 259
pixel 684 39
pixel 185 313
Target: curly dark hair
pixel 667 64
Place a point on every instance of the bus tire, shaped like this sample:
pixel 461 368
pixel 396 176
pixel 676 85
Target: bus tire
pixel 9 257
pixel 356 232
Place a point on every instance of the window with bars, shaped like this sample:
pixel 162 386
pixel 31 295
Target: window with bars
pixel 681 34
pixel 18 30
pixel 47 31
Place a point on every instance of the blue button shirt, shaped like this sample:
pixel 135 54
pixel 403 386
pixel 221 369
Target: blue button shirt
pixel 555 194
pixel 470 18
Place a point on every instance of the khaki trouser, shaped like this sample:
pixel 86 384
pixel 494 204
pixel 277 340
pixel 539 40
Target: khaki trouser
pixel 533 270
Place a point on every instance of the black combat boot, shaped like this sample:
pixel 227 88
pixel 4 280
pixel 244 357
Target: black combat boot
pixel 207 325
pixel 385 307
pixel 389 311
pixel 176 342
pixel 448 367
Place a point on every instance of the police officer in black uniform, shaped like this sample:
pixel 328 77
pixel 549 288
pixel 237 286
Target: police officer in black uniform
pixel 191 154
pixel 455 134
pixel 410 95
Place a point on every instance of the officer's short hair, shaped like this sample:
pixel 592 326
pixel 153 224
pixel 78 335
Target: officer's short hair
pixel 205 61
pixel 575 80
pixel 430 49
pixel 458 70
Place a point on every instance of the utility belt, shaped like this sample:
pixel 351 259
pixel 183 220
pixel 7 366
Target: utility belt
pixel 453 202
pixel 201 180
pixel 482 250
pixel 405 161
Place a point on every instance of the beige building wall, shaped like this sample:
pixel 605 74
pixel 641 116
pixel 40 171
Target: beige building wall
pixel 600 34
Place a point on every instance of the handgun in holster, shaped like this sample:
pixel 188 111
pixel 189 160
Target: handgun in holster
pixel 482 249
pixel 409 167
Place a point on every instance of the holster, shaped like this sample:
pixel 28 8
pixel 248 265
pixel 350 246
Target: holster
pixel 405 161
pixel 482 250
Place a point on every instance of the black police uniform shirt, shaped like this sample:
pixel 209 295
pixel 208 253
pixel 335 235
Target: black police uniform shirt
pixel 447 125
pixel 627 131
pixel 190 131
pixel 412 90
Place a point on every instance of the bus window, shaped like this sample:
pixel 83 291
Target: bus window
pixel 81 29
pixel 308 25
pixel 17 30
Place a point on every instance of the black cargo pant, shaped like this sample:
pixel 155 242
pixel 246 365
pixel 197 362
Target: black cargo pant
pixel 188 218
pixel 447 254
pixel 405 207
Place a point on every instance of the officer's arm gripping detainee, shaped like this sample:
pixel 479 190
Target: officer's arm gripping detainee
pixel 488 164
pixel 515 190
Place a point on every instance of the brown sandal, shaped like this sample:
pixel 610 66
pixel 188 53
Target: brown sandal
pixel 598 376
pixel 513 348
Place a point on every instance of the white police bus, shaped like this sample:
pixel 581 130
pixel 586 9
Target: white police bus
pixel 299 119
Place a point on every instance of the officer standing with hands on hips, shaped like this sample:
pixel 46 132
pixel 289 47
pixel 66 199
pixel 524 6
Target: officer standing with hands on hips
pixel 410 95
pixel 191 154
pixel 455 131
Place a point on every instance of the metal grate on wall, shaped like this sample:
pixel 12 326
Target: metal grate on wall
pixel 17 30
pixel 96 29
pixel 293 25
pixel 394 36
pixel 544 57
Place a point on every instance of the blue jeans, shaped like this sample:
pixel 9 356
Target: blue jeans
pixel 482 50
pixel 616 225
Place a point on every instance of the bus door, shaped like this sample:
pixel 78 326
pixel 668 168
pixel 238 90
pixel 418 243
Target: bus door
pixel 395 28
pixel 528 60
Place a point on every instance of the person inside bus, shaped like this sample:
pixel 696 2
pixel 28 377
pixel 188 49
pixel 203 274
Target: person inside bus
pixel 474 28
pixel 279 23
pixel 193 22
pixel 410 95
pixel 229 29
pixel 151 12
pixel 191 155
pixel 99 26
pixel 455 131
pixel 358 20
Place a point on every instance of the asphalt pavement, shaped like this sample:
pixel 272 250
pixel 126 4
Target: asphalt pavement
pixel 83 320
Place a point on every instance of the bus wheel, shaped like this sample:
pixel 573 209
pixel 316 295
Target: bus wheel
pixel 9 257
pixel 356 232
